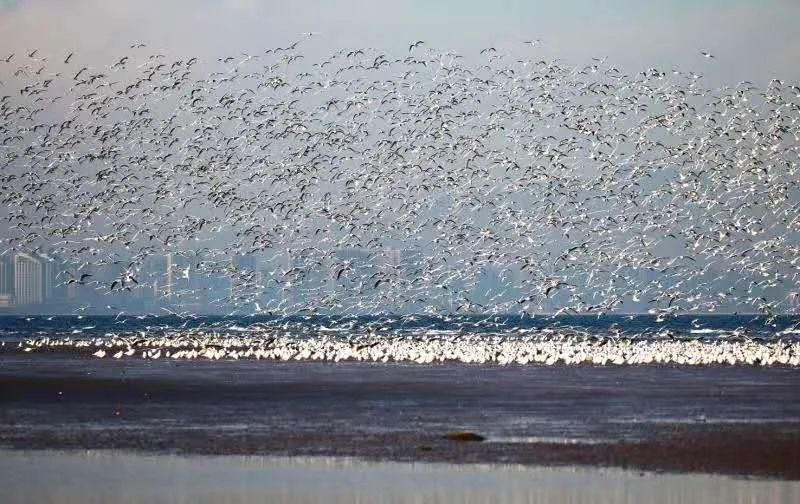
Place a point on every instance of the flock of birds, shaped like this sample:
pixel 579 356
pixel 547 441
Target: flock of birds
pixel 426 182
pixel 520 346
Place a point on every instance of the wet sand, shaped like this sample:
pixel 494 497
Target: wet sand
pixel 732 450
pixel 736 421
pixel 75 477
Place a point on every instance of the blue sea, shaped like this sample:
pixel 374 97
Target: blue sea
pixel 685 327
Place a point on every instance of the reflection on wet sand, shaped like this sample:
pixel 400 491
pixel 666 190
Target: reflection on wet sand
pixel 106 476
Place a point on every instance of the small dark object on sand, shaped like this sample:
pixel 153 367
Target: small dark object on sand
pixel 463 436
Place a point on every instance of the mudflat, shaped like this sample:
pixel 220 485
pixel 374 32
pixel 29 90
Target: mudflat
pixel 728 420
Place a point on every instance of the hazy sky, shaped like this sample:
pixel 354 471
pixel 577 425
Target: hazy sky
pixel 752 40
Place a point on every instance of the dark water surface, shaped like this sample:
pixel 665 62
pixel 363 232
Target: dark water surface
pixel 705 327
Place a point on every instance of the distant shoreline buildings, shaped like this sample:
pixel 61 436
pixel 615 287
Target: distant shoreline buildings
pixel 263 283
pixel 30 280
pixel 46 283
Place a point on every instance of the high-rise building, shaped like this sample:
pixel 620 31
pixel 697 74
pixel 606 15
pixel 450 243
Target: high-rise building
pixel 169 278
pixel 6 276
pixel 71 289
pixel 6 282
pixel 150 276
pixel 243 276
pixel 49 271
pixel 28 279
pixel 391 259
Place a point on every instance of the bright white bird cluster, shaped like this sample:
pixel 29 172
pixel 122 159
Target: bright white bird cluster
pixel 535 348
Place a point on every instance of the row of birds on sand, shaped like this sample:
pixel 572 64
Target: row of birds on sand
pixel 425 182
pixel 568 348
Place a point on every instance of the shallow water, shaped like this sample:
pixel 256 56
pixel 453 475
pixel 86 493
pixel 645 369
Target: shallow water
pixel 85 477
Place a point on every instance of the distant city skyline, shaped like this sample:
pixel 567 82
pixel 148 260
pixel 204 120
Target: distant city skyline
pixel 41 284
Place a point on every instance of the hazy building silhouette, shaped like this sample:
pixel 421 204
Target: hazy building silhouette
pixel 169 278
pixel 28 279
pixel 243 277
pixel 6 282
pixel 50 289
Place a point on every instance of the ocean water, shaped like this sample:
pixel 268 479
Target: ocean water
pixel 787 327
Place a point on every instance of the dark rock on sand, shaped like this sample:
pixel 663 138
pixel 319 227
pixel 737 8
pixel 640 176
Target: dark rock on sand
pixel 463 436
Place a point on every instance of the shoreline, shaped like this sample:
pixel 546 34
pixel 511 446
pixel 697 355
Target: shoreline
pixel 732 450
pixel 133 477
